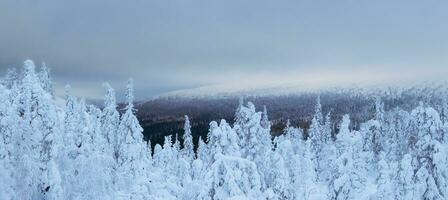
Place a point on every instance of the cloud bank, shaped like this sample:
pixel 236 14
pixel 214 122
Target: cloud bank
pixel 180 44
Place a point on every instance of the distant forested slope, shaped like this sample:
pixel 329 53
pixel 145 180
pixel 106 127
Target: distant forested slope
pixel 165 116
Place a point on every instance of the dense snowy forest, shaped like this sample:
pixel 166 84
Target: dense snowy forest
pixel 79 151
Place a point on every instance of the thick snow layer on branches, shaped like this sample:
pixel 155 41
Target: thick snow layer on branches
pixel 78 151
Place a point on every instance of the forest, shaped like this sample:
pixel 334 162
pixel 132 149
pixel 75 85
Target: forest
pixel 82 151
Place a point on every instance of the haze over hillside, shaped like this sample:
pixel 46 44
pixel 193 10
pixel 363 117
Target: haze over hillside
pixel 164 115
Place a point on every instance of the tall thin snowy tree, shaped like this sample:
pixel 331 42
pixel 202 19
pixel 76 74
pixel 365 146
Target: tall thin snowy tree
pixel 188 140
pixel 110 121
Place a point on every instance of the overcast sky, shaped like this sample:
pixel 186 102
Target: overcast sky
pixel 167 45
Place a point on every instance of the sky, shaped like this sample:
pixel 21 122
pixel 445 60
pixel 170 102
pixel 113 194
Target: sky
pixel 168 45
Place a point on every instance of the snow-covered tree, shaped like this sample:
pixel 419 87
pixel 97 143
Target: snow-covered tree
pixel 7 126
pixel 265 123
pixel 11 78
pixel 385 186
pixel 405 185
pixel 223 140
pixel 280 178
pixel 230 176
pixel 379 135
pixel 318 139
pixel 188 140
pixel 132 159
pixel 110 121
pixel 46 80
pixel 39 126
pixel 132 148
pixel 350 177
pixel 430 176
pixel 203 151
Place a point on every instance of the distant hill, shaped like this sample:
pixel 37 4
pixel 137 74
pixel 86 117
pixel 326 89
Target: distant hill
pixel 164 115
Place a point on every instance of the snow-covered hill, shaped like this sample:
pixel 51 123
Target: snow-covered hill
pixel 235 90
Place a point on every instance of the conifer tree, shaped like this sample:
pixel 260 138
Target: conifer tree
pixel 265 123
pixel 188 140
pixel 203 151
pixel 46 80
pixel 110 121
pixel 427 124
pixel 132 148
pixel 11 78
pixel 38 128
pixel 318 140
pixel 406 186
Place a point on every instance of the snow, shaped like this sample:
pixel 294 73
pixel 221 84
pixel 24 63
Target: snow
pixel 78 151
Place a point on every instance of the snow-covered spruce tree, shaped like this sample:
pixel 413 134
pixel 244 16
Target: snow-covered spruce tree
pixel 320 136
pixel 229 175
pixel 110 120
pixel 7 127
pixel 11 78
pixel 176 145
pixel 239 120
pixel 87 135
pixel 161 176
pixel 193 184
pixel 296 136
pixel 374 137
pixel 46 80
pixel 378 133
pixel 299 165
pixel 327 128
pixel 99 141
pixel 203 151
pixel 95 166
pixel 132 148
pixel 329 152
pixel 385 187
pixel 293 167
pixel 350 178
pixel 132 159
pixel 71 154
pixel 167 154
pixel 223 140
pixel 149 152
pixel 315 132
pixel 405 189
pixel 265 123
pixel 309 175
pixel 257 142
pixel 34 155
pixel 440 163
pixel 157 156
pixel 182 167
pixel 398 123
pixel 431 172
pixel 188 149
pixel 172 161
pixel 281 184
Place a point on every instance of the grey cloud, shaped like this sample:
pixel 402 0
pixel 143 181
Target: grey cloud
pixel 176 44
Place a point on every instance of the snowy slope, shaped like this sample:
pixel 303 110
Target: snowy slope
pixel 233 90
